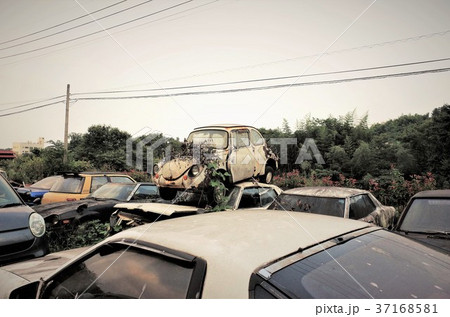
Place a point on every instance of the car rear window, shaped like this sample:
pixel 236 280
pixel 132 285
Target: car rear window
pixel 125 272
pixel 312 204
pixel 375 265
pixel 72 185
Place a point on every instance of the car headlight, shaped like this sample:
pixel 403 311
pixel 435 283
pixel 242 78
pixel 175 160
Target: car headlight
pixel 37 225
pixel 195 170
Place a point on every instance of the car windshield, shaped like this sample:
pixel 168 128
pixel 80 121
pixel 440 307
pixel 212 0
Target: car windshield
pixel 8 196
pixel 375 265
pixel 312 204
pixel 217 139
pixel 113 191
pixel 46 183
pixel 427 215
pixel 71 185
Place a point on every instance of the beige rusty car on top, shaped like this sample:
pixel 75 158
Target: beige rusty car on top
pixel 238 150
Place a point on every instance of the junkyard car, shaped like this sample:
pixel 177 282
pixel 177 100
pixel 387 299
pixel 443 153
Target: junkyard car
pixel 21 229
pixel 426 219
pixel 247 254
pixel 33 194
pixel 337 201
pixel 242 195
pixel 99 205
pixel 238 150
pixel 74 186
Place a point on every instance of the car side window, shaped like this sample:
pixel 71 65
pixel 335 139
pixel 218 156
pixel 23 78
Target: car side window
pixel 118 271
pixel 97 182
pixel 242 138
pixel 360 206
pixel 250 198
pixel 256 138
pixel 120 179
pixel 268 195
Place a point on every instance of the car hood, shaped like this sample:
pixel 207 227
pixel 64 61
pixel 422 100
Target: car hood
pixel 162 209
pixel 13 218
pixel 63 207
pixel 433 241
pixel 176 168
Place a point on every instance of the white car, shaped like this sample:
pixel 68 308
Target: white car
pixel 247 254
pixel 242 195
pixel 343 202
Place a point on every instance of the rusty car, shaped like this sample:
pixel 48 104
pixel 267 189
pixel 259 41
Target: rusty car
pixel 243 195
pixel 239 151
pixel 343 202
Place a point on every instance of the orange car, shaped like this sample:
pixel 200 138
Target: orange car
pixel 74 186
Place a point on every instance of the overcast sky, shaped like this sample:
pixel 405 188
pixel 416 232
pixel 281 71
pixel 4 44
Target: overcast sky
pixel 162 44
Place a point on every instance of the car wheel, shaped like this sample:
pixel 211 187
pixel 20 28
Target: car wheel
pixel 268 175
pixel 167 193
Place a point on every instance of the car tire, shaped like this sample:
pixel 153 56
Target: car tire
pixel 167 193
pixel 268 175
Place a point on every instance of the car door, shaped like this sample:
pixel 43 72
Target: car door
pixel 241 160
pixel 258 143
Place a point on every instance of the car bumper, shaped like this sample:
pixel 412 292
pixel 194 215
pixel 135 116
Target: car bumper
pixel 183 182
pixel 21 244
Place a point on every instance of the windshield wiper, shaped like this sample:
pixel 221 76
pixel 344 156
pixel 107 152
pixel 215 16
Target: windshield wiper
pixel 11 205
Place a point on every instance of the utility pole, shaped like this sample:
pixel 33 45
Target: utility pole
pixel 66 127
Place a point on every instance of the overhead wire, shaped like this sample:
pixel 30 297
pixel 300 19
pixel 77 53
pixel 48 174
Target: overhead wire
pixel 296 84
pixel 32 103
pixel 76 26
pixel 60 24
pixel 94 33
pixel 269 78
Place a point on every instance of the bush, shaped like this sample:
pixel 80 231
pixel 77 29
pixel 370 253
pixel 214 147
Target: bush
pixel 85 234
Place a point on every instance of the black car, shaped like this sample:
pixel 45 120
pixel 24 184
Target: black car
pixel 21 229
pixel 33 194
pixel 99 205
pixel 426 219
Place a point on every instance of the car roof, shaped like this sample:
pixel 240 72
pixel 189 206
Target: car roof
pixel 439 193
pixel 326 191
pixel 224 126
pixel 246 184
pixel 235 244
pixel 65 174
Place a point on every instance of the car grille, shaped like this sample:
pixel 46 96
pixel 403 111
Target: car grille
pixel 16 247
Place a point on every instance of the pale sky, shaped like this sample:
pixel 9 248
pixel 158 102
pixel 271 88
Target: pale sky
pixel 203 42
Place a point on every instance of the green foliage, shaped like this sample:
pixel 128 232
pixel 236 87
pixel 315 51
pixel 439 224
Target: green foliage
pixel 85 234
pixel 217 179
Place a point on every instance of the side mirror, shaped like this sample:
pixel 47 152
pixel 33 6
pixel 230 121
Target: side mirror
pixel 27 291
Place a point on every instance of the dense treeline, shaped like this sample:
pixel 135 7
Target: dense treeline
pixel 412 151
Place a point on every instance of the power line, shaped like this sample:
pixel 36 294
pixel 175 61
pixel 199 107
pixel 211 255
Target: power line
pixel 268 78
pixel 30 109
pixel 93 33
pixel 369 46
pixel 76 26
pixel 326 82
pixel 60 24
pixel 31 103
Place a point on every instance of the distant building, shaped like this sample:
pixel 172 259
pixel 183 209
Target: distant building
pixel 25 147
pixel 7 155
